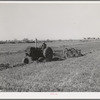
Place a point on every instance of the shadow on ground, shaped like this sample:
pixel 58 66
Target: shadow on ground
pixel 57 59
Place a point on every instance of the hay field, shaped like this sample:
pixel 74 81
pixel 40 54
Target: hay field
pixel 81 74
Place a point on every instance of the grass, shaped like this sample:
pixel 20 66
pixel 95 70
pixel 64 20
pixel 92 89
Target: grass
pixel 81 74
pixel 71 75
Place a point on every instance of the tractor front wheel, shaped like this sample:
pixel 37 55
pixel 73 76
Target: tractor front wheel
pixel 26 60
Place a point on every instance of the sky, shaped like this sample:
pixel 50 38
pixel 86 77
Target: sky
pixel 49 20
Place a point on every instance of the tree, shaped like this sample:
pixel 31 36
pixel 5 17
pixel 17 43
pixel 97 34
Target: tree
pixel 25 40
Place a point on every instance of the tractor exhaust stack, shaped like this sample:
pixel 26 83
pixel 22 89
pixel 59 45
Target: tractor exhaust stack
pixel 36 43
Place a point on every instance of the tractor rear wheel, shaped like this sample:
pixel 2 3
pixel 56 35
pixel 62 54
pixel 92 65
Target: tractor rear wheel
pixel 48 53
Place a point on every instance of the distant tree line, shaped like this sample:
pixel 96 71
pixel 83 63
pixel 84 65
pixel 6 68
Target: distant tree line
pixel 91 38
pixel 25 40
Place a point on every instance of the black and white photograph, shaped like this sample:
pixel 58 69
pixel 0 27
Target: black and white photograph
pixel 50 47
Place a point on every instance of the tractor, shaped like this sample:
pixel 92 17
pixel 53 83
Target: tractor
pixel 38 53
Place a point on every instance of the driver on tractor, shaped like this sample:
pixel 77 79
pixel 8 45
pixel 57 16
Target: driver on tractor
pixel 44 45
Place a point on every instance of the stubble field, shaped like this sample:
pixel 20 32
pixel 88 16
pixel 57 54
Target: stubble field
pixel 78 74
